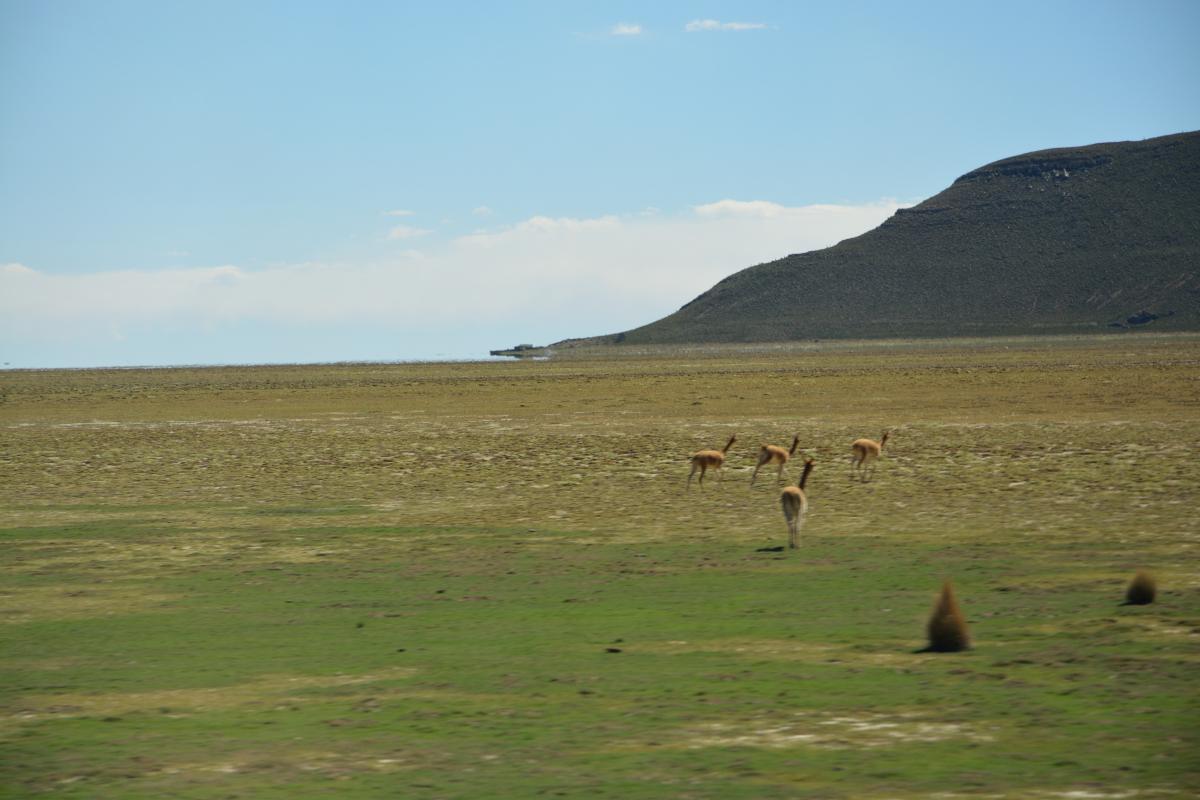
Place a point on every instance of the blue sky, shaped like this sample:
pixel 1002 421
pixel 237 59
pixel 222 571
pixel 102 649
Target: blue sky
pixel 207 182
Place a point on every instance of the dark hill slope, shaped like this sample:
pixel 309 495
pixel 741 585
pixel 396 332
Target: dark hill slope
pixel 1055 241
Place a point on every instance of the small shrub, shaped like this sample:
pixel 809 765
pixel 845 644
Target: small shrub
pixel 947 627
pixel 1142 590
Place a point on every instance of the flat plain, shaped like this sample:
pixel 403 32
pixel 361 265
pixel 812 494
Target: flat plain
pixel 491 580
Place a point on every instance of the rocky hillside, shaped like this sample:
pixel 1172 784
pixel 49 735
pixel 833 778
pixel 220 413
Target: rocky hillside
pixel 1057 241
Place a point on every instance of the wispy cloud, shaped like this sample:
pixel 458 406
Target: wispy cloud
pixel 407 232
pixel 481 211
pixel 741 208
pixel 543 226
pixel 698 25
pixel 626 29
pixel 552 277
pixel 399 212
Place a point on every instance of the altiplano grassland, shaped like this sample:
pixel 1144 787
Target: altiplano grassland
pixel 490 580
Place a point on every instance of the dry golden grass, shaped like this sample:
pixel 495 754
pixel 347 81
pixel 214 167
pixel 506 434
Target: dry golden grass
pixel 362 573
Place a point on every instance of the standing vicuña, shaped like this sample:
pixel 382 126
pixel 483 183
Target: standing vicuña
pixel 864 452
pixel 795 506
pixel 774 454
pixel 704 459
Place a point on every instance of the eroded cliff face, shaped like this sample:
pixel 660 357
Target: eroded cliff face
pixel 1064 240
pixel 1053 167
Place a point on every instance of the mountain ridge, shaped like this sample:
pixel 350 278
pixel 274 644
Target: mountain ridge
pixel 1064 240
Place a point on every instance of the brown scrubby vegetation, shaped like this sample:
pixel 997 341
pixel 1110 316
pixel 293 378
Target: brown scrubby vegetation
pixel 1142 589
pixel 947 628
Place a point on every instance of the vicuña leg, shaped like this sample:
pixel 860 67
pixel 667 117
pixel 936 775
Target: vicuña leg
pixel 754 475
pixel 794 530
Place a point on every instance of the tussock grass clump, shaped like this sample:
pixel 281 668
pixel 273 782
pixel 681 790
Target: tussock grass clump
pixel 947 628
pixel 1142 590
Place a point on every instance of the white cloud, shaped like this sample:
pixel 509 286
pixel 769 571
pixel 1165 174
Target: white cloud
pixel 406 232
pixel 740 208
pixel 560 276
pixel 626 29
pixel 399 212
pixel 481 211
pixel 802 217
pixel 697 25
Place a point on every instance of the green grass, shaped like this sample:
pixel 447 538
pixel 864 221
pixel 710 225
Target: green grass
pixel 408 583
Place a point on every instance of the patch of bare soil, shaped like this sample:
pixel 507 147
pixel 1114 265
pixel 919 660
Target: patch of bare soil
pixel 1067 794
pixel 830 731
pixel 268 691
pixel 899 654
pixel 27 604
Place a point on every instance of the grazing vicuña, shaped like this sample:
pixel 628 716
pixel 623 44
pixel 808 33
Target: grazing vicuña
pixel 703 460
pixel 774 454
pixel 864 453
pixel 795 506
